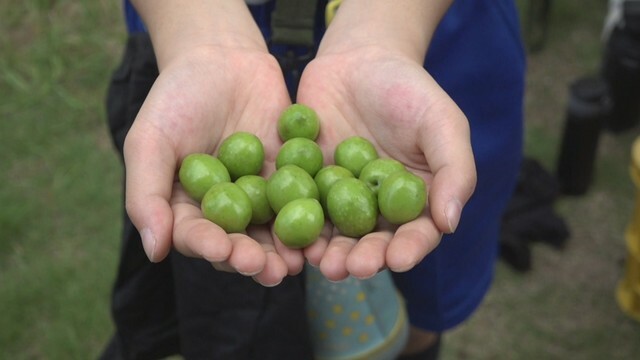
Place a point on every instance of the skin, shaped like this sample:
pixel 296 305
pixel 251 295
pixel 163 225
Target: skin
pixel 217 78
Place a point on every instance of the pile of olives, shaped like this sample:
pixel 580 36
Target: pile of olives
pixel 302 192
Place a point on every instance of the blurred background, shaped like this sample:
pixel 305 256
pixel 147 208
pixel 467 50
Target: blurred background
pixel 554 295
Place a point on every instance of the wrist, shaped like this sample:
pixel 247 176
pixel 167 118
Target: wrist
pixel 404 28
pixel 177 29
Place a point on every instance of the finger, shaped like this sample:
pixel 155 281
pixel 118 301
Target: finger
pixel 411 243
pixel 194 235
pixel 314 252
pixel 198 237
pixel 333 263
pixel 293 258
pixel 150 168
pixel 275 268
pixel 273 272
pixel 367 257
pixel 247 256
pixel 452 164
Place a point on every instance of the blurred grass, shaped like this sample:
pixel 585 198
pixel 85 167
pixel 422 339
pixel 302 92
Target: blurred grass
pixel 59 178
pixel 60 193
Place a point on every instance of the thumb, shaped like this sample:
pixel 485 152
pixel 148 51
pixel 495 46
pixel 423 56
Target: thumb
pixel 452 164
pixel 150 169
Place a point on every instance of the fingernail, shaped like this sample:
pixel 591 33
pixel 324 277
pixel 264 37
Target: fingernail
pixel 148 243
pixel 268 285
pixel 248 273
pixel 452 213
pixel 365 277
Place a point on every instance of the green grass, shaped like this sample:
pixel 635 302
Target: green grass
pixel 60 194
pixel 59 178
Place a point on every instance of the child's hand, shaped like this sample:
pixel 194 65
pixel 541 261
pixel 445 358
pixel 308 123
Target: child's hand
pixel 392 101
pixel 198 100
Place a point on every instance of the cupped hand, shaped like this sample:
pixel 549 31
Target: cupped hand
pixel 199 99
pixel 395 103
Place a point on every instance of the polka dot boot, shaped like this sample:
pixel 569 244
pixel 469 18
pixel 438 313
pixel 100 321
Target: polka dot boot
pixel 355 319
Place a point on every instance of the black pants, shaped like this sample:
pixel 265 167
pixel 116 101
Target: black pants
pixel 182 305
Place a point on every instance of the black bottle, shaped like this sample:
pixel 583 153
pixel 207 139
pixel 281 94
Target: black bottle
pixel 588 109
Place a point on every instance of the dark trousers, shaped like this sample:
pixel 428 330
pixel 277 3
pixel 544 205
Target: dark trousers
pixel 183 305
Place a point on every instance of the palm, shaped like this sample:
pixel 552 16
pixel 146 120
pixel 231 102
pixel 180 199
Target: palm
pixel 199 104
pixel 397 105
pixel 192 107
